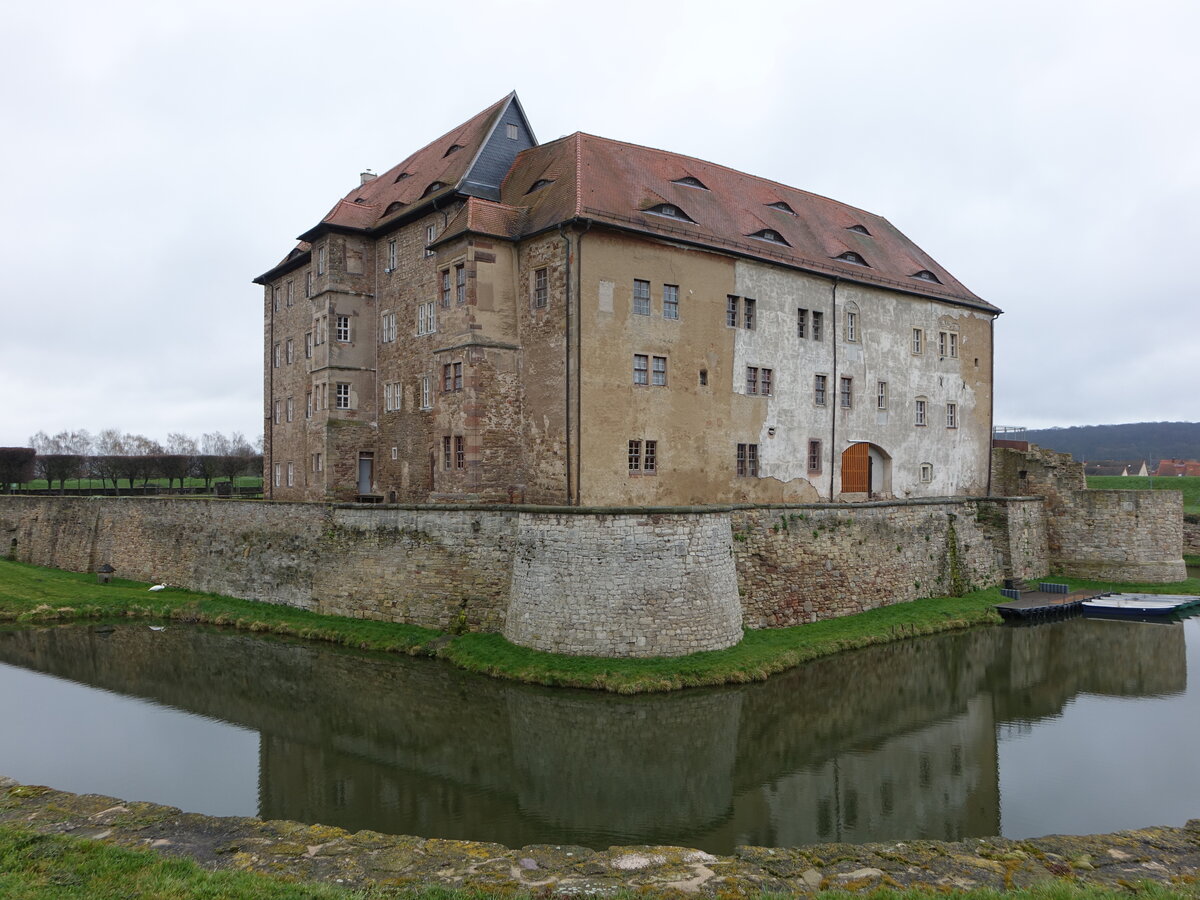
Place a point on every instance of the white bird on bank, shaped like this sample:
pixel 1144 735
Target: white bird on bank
pixel 158 587
pixel 158 627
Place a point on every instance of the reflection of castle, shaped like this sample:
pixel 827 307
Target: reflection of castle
pixel 894 741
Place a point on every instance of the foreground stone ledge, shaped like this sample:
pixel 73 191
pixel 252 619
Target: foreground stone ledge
pixel 364 858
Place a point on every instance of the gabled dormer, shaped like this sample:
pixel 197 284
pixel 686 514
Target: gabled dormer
pixel 509 135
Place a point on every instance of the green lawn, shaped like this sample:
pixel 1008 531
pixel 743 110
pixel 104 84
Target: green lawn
pixel 30 594
pixel 1189 484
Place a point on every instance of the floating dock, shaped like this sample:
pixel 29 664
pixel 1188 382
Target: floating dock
pixel 1048 601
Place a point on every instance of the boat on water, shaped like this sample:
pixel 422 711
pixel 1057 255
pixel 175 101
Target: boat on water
pixel 1139 604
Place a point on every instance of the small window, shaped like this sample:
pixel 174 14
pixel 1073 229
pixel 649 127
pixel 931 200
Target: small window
pixel 670 301
pixel 801 323
pixel 321 260
pixel 918 341
pixel 731 310
pixel 316 462
pixel 818 321
pixel 541 287
pixel 951 415
pixel 277 476
pixel 308 405
pixel 641 297
pixel 851 257
pixel 511 131
pixel 748 309
pixel 278 414
pixel 782 207
pixel 689 181
pixel 460 283
pixel 430 237
pixel 395 453
pixel 703 377
pixel 765 376
pixel 635 456
pixel 641 368
pixel 401 177
pixel 277 356
pixel 433 188
pixel 751 379
pixel 289 294
pixel 308 283
pixel 658 374
pixel 861 229
pixel 670 211
pixel 650 460
pixel 851 325
pixel 926 472
pixel 291 474
pixel 846 391
pixel 446 452
pixel 747 460
pixel 948 344
pixel 460 452
pixel 426 392
pixel 275 300
pixel 820 384
pixel 814 457
pixel 768 234
pixel 426 318
pixel 539 184
pixel 926 275
pixel 454 148
pixel 919 418
pixel 446 288
pixel 452 377
pixel 342 396
pixel 392 207
pixel 391 256
pixel 342 329
pixel 881 395
pixel 290 352
pixel 308 345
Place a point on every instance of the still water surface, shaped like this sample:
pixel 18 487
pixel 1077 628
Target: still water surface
pixel 1075 727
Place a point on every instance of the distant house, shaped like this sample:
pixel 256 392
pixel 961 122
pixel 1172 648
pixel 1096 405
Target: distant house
pixel 1176 467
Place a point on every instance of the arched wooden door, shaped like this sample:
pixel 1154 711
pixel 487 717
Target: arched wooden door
pixel 856 469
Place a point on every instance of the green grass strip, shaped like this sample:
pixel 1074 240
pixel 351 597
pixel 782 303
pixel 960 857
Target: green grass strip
pixel 1188 485
pixel 31 594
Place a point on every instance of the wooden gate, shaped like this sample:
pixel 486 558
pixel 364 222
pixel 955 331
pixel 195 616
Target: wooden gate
pixel 856 469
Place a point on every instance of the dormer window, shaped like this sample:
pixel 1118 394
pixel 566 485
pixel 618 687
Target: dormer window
pixel 768 235
pixel 453 148
pixel 401 177
pixel 851 257
pixel 860 229
pixel 393 207
pixel 436 186
pixel 782 207
pixel 670 211
pixel 689 181
pixel 539 184
pixel 359 200
pixel 926 275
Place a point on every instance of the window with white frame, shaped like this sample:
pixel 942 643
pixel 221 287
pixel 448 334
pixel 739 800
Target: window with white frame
pixel 277 355
pixel 290 352
pixel 749 307
pixel 881 395
pixel 308 345
pixel 814 457
pixel 747 460
pixel 818 320
pixel 847 391
pixel 951 415
pixel 291 474
pixel 641 368
pixel 277 475
pixel 391 256
pixel 446 288
pixel 926 472
pixel 342 395
pixel 395 453
pixel 541 287
pixel 641 297
pixel 919 418
pixel 510 131
pixel 391 396
pixel 670 301
pixel 731 310
pixel 426 392
pixel 948 344
pixel 308 283
pixel 918 341
pixel 758 380
pixel 658 371
pixel 316 462
pixel 426 318
pixel 801 323
pixel 289 292
pixel 460 452
pixel 430 237
pixel 820 385
pixel 446 452
pixel 460 283
pixel 290 409
pixel 321 260
pixel 643 457
pixel 388 329
pixel 277 414
pixel 275 300
pixel 851 330
pixel 342 329
pixel 308 405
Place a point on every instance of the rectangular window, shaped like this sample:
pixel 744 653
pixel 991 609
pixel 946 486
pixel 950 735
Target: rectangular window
pixel 510 131
pixel 277 415
pixel 391 256
pixel 290 301
pixel 387 333
pixel 308 407
pixel 650 463
pixel 817 320
pixel 277 355
pixel 801 322
pixel 918 341
pixel 395 453
pixel 430 237
pixel 731 311
pixel 881 395
pixel 342 329
pixel 641 297
pixel 291 474
pixel 751 379
pixel 541 287
pixel 276 474
pixel 275 300
pixel 458 376
pixel 460 283
pixel 446 288
pixel 819 383
pixel 635 456
pixel 954 345
pixel 641 367
pixel 308 345
pixel 659 372
pixel 847 392
pixel 446 452
pixel 670 301
pixel 308 283
pixel 321 260
pixel 452 377
pixel 920 413
pixel 948 344
pixel 747 460
pixel 951 415
pixel 814 457
pixel 748 306
pixel 290 409
pixel 926 472
pixel 851 325
pixel 387 397
pixel 316 462
pixel 765 381
pixel 342 396
pixel 426 392
pixel 290 351
pixel 460 452
pixel 426 318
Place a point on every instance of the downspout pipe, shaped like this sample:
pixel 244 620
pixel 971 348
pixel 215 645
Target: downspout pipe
pixel 991 400
pixel 835 390
pixel 579 361
pixel 269 473
pixel 567 359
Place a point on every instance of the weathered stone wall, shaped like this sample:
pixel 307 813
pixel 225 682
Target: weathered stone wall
pixel 802 564
pixel 1133 536
pixel 1191 536
pixel 624 585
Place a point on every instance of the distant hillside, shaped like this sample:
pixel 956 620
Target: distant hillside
pixel 1140 440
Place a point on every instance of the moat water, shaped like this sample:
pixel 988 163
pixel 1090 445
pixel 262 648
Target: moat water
pixel 1077 727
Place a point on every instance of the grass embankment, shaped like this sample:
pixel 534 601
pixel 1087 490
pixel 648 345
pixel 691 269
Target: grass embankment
pixel 1188 484
pixel 31 595
pixel 53 867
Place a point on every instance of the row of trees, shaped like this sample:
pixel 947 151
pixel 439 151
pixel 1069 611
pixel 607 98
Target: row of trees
pixel 112 456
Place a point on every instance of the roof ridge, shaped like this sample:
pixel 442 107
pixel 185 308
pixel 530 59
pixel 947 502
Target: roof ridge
pixel 578 176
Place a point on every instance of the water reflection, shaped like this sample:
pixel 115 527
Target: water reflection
pixel 892 742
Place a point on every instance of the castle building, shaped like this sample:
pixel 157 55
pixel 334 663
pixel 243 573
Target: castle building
pixel 590 322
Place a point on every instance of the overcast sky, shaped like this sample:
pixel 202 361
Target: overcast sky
pixel 158 156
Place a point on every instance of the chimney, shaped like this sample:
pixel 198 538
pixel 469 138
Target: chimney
pixel 366 176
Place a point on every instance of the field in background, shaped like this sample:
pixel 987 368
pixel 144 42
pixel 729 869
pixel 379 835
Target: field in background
pixel 1190 485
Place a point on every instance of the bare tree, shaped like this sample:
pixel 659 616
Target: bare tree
pixel 16 466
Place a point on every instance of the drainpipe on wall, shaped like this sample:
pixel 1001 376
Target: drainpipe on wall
pixel 579 361
pixel 269 468
pixel 991 400
pixel 567 359
pixel 834 389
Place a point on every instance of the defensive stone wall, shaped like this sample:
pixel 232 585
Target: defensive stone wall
pixel 1133 536
pixel 1191 535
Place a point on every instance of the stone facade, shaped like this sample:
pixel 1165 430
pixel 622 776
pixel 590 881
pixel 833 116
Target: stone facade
pixel 1191 535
